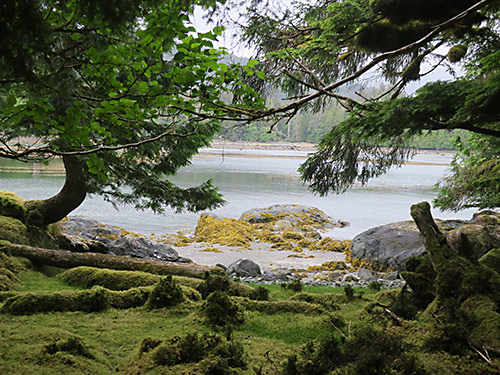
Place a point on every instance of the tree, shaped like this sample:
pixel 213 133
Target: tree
pixel 313 49
pixel 125 92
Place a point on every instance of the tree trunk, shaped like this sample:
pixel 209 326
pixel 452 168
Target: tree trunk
pixel 435 242
pixel 68 259
pixel 51 210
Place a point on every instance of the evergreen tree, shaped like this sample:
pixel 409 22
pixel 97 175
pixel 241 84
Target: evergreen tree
pixel 125 91
pixel 314 48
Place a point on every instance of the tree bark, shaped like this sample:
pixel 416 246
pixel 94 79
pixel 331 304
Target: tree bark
pixel 435 242
pixel 68 259
pixel 73 193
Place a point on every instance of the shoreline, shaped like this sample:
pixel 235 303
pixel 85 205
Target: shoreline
pixel 294 146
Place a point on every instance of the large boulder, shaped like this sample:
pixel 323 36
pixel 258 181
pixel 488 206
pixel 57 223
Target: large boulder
pixel 84 234
pixel 297 215
pixel 388 246
pixel 140 247
pixel 244 268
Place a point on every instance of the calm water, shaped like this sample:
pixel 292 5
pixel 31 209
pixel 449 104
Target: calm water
pixel 250 179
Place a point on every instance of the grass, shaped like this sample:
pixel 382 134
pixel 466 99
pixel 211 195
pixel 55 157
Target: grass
pixel 114 336
pixel 110 340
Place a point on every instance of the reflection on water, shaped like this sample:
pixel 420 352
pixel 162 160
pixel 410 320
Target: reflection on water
pixel 258 180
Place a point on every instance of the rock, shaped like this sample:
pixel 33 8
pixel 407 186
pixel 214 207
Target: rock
pixel 90 235
pixel 367 275
pixel 78 244
pixel 244 268
pixel 140 247
pixel 281 275
pixel 282 226
pixel 297 215
pixel 481 238
pixel 492 260
pixel 389 246
pixel 89 229
pixel 221 266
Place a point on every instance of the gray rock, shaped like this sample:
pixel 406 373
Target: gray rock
pixel 89 229
pixel 389 245
pixel 367 275
pixel 140 247
pixel 244 268
pixel 85 234
pixel 481 239
pixel 293 213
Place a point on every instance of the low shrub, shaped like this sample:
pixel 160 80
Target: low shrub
pixel 295 285
pixel 166 293
pixel 220 310
pixel 260 294
pixel 222 283
pixel 215 354
pixel 72 345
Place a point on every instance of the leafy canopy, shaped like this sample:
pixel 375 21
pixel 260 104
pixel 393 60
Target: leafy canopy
pixel 128 87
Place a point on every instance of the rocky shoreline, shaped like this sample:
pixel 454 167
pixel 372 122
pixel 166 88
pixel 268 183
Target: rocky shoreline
pixel 291 236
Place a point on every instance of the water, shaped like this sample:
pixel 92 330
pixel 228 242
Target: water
pixel 250 179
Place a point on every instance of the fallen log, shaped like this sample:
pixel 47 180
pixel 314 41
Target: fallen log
pixel 69 259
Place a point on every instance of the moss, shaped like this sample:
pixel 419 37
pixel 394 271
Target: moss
pixel 127 299
pixel 9 268
pixel 230 232
pixel 73 345
pixel 166 293
pixel 12 205
pixel 215 354
pixel 278 307
pixel 221 310
pixel 486 330
pixel 492 260
pixel 223 283
pixel 95 299
pixel 13 230
pixel 109 279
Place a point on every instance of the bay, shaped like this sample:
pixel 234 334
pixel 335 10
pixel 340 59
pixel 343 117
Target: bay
pixel 255 178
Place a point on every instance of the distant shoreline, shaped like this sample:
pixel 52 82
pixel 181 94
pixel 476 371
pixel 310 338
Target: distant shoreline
pixel 293 146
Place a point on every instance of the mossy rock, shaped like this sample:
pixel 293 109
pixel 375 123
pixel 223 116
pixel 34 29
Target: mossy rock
pixel 12 205
pixel 13 230
pixel 492 260
pixel 230 232
pixel 486 330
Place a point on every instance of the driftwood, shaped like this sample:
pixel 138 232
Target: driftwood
pixel 69 259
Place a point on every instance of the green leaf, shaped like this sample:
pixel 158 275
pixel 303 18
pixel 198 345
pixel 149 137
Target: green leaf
pixel 252 62
pixel 11 100
pixel 260 74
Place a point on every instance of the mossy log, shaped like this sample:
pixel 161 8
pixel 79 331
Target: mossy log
pixel 68 259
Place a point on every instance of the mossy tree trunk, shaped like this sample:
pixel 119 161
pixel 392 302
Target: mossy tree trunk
pixel 72 195
pixel 467 294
